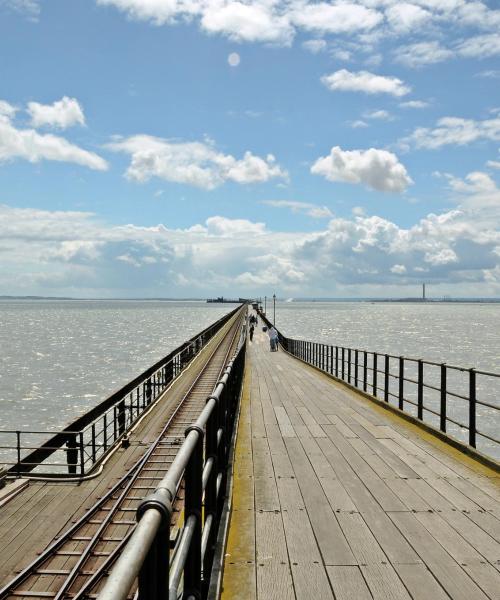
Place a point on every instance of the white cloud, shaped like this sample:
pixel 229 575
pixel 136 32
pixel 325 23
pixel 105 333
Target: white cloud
pixel 358 124
pixel 335 18
pixel 454 130
pixel 405 18
pixel 61 114
pixel 366 82
pixel 224 227
pixel 378 115
pixel 422 53
pixel 481 46
pixel 72 253
pixel 476 182
pixel 30 145
pixel 414 104
pixel 29 8
pixel 315 46
pixel 376 169
pixel 156 11
pixel 7 110
pixel 493 164
pixel 193 163
pixel 311 210
pixel 256 22
pixel 398 269
pixel 489 74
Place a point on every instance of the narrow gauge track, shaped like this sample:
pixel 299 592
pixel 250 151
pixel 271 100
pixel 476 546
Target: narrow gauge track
pixel 75 565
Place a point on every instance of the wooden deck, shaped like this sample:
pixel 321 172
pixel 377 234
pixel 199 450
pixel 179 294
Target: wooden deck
pixel 335 497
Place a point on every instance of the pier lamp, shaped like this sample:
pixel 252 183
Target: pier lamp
pixel 265 304
pixel 274 310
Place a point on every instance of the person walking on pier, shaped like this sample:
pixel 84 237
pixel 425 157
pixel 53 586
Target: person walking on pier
pixel 250 331
pixel 273 339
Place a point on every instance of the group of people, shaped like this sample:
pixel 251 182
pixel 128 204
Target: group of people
pixel 271 332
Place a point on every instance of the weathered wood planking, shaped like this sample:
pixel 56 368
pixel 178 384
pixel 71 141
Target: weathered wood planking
pixel 352 502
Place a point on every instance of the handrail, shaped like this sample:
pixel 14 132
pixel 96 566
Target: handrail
pixel 202 461
pixel 387 376
pixel 89 439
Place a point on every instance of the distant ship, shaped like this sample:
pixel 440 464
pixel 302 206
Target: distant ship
pixel 289 300
pixel 222 300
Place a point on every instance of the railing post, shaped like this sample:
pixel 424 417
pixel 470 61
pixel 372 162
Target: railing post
pixel 442 412
pixel 420 390
pixel 343 363
pixel 401 382
pixel 105 431
pixel 336 361
pixel 192 506
pixel 386 379
pixel 115 424
pixel 72 453
pixel 82 455
pixel 349 365
pixel 18 443
pixel 375 373
pixel 121 417
pixel 472 408
pixel 94 453
pixel 365 371
pixel 331 360
pixel 356 358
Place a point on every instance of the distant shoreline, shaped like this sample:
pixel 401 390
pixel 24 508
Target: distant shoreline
pixel 294 300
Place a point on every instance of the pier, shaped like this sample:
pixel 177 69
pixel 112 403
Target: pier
pixel 310 472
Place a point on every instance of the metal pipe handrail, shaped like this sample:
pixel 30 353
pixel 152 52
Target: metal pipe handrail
pixel 201 462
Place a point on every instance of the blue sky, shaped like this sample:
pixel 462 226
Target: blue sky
pixel 174 148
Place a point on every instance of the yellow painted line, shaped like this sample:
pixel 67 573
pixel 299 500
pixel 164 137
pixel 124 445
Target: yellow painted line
pixel 239 579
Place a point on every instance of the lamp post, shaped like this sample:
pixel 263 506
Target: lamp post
pixel 265 304
pixel 274 310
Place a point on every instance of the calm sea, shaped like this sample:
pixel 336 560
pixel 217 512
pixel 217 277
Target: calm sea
pixel 59 358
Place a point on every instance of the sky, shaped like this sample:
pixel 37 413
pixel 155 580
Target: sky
pixel 185 148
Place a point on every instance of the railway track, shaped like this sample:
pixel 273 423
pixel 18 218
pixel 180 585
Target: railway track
pixel 75 565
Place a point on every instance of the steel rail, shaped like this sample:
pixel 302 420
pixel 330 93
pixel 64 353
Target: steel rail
pixel 125 484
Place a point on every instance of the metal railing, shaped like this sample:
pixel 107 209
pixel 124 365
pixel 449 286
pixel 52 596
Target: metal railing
pixel 77 449
pixel 447 397
pixel 202 463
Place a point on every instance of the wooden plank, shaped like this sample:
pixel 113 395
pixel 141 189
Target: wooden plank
pixel 274 578
pixel 289 494
pixel 348 583
pixel 384 583
pixel 420 582
pixel 363 545
pixel 435 500
pixel 487 522
pixel 311 581
pixel 407 495
pixel 449 574
pixel 481 540
pixel 486 576
pixel 285 425
pixel 332 543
